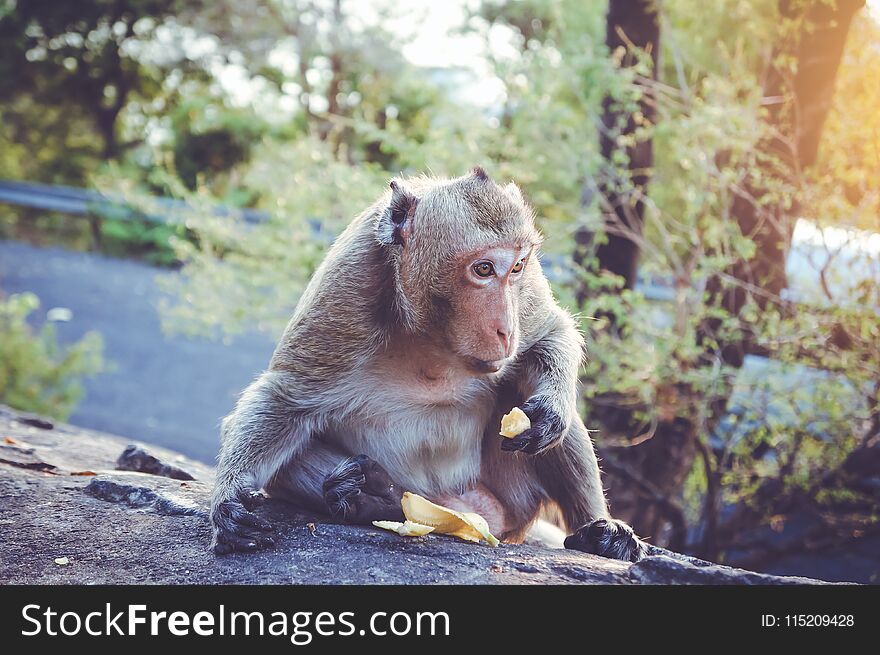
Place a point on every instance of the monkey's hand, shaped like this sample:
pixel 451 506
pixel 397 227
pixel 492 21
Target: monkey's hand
pixel 608 538
pixel 359 490
pixel 236 528
pixel 548 428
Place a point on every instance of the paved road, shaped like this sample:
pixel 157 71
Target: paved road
pixel 170 391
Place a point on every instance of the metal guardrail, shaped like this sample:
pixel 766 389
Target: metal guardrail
pixel 71 200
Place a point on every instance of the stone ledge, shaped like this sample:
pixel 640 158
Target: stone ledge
pixel 62 496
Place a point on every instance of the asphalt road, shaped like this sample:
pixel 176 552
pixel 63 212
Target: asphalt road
pixel 166 390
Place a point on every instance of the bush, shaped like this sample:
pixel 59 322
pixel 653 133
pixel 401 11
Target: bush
pixel 36 374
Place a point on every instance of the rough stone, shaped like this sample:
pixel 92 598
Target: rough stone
pixel 62 497
pixel 134 458
pixel 665 570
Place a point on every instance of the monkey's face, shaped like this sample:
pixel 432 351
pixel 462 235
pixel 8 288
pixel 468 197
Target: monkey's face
pixel 483 328
pixel 463 249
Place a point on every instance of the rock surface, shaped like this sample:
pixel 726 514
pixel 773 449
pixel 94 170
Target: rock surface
pixel 61 496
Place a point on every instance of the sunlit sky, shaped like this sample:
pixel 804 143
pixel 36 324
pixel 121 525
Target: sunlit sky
pixel 434 40
pixel 433 37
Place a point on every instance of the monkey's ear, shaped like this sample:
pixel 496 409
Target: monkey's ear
pixel 513 192
pixel 395 222
pixel 479 173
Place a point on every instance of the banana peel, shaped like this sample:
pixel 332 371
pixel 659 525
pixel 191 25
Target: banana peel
pixel 514 423
pixel 405 529
pixel 464 525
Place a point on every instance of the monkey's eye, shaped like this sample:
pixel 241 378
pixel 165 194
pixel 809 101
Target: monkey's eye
pixel 484 269
pixel 518 266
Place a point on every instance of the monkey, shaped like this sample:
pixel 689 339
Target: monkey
pixel 429 318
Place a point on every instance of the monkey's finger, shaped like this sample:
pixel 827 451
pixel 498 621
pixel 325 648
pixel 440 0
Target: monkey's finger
pixel 532 442
pixel 520 442
pixel 539 444
pixel 263 539
pixel 239 536
pixel 231 514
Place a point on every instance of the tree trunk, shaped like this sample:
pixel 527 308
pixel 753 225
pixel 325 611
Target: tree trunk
pixel 630 24
pixel 642 479
pixel 336 74
pixel 798 105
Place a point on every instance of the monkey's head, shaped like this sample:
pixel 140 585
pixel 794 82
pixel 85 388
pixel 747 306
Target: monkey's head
pixel 460 252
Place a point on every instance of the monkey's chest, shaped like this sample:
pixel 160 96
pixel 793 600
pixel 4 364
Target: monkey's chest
pixel 428 444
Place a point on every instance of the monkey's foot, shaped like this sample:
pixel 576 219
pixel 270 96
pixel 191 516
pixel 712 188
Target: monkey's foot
pixel 608 538
pixel 358 490
pixel 236 528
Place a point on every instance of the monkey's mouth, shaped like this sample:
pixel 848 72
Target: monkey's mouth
pixel 485 367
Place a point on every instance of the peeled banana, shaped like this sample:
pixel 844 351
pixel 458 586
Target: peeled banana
pixel 514 422
pixel 464 525
pixel 405 529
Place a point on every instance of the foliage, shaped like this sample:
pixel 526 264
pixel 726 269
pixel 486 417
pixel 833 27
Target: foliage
pixel 36 374
pixel 76 61
pixel 843 183
pixel 146 240
pixel 70 76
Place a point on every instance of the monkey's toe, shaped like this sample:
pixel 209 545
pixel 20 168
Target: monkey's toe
pixel 228 543
pixel 252 498
pixel 359 490
pixel 608 538
pixel 342 486
pixel 237 529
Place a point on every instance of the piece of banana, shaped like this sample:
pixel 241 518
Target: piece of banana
pixel 405 529
pixel 412 529
pixel 464 525
pixel 514 422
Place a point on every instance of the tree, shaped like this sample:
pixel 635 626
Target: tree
pixel 798 91
pixel 347 74
pixel 633 38
pixel 73 63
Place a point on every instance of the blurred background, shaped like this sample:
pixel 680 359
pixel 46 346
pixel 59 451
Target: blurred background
pixel 707 176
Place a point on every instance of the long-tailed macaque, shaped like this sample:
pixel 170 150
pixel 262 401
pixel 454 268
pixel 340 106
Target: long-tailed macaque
pixel 428 320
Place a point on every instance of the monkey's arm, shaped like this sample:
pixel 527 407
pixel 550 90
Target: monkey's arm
pixel 264 431
pixel 548 379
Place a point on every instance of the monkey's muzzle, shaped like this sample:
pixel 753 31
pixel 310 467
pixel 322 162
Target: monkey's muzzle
pixel 486 367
